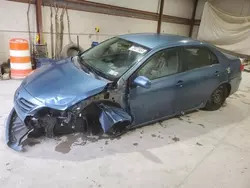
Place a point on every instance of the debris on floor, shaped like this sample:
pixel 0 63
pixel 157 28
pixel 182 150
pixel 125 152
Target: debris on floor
pixel 5 70
pixel 6 76
pixel 246 64
pixel 176 139
pixel 247 68
pixel 199 144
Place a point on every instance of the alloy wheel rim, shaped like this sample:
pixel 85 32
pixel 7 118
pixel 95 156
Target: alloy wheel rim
pixel 217 96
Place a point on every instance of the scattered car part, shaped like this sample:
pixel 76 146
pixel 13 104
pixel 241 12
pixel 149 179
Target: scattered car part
pixel 113 117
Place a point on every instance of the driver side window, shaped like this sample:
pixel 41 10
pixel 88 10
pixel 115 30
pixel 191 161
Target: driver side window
pixel 161 64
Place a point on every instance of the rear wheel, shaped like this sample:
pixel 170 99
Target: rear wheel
pixel 217 98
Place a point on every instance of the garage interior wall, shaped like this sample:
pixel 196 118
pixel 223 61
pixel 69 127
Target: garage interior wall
pixel 14 24
pixel 83 23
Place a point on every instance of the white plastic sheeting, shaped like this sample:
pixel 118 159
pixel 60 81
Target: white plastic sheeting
pixel 225 31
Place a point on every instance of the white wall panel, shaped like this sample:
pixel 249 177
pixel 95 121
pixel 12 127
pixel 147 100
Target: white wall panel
pixel 180 8
pixel 85 23
pixel 177 29
pixel 146 5
pixel 14 24
pixel 13 16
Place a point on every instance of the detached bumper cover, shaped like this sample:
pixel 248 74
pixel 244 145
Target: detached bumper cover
pixel 16 131
pixel 111 116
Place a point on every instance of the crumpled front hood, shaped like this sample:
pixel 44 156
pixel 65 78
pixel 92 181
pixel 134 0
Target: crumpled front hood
pixel 61 84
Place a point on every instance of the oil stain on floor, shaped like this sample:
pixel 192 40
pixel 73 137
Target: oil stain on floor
pixel 31 142
pixel 65 146
pixel 78 139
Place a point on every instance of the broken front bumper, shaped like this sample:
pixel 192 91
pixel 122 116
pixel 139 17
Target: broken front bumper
pixel 111 119
pixel 16 131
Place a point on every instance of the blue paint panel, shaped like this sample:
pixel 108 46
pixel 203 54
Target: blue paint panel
pixel 62 84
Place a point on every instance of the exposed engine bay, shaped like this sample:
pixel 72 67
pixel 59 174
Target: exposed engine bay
pixel 94 119
pixel 94 116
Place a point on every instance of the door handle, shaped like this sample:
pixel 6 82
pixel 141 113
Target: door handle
pixel 217 73
pixel 179 83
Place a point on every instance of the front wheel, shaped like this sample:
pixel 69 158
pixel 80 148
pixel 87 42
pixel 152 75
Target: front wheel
pixel 217 99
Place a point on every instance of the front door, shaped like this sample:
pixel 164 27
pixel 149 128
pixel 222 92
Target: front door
pixel 148 104
pixel 201 75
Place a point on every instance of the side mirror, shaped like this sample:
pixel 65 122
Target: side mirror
pixel 142 81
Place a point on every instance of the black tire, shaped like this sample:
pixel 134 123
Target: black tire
pixel 70 50
pixel 217 98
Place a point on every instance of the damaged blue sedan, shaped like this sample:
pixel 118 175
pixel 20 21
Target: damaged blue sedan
pixel 123 83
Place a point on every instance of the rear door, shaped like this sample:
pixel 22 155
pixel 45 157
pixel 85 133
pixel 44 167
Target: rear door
pixel 201 73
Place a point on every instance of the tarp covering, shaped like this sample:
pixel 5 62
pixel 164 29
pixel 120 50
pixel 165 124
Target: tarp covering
pixel 225 31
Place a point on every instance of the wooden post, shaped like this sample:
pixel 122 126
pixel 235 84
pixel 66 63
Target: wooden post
pixel 39 21
pixel 193 18
pixel 160 17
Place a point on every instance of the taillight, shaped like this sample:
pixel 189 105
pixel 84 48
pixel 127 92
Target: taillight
pixel 241 64
pixel 241 67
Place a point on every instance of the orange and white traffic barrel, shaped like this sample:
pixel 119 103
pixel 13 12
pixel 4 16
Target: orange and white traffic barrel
pixel 20 62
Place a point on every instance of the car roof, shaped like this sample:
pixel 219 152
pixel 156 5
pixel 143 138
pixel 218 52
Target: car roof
pixel 153 40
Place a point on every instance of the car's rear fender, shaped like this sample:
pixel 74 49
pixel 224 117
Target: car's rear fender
pixel 234 69
pixel 235 74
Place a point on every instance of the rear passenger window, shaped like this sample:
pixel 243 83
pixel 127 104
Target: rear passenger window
pixel 193 58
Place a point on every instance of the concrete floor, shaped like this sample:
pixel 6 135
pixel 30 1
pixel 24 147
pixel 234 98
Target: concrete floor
pixel 202 149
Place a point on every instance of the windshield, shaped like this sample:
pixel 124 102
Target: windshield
pixel 114 57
